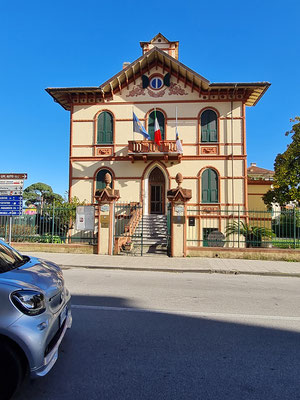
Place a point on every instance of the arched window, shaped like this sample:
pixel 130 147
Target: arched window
pixel 209 185
pixel 100 184
pixel 161 120
pixel 209 126
pixel 105 128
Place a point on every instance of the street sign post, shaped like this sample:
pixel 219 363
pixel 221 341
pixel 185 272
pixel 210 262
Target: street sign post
pixel 11 196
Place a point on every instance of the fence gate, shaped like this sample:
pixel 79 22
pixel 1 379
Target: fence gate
pixel 128 230
pixel 169 229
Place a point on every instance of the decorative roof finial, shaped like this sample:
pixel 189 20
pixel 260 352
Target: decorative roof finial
pixel 179 179
pixel 107 180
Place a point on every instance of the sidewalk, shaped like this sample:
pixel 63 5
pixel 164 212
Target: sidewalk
pixel 166 264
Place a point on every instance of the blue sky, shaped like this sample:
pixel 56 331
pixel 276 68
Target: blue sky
pixel 75 43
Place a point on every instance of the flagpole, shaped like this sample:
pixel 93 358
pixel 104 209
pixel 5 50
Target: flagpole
pixel 132 124
pixel 154 123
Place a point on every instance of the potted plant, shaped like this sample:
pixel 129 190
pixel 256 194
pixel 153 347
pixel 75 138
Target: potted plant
pixel 253 234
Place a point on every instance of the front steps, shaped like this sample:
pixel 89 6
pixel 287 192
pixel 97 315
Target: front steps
pixel 150 236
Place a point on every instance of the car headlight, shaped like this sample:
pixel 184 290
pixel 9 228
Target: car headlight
pixel 30 302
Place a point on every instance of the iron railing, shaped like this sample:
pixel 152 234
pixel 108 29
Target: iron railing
pixel 47 225
pixel 206 226
pixel 128 216
pixel 240 228
pixel 148 146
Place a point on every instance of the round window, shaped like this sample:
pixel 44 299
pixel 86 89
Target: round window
pixel 156 82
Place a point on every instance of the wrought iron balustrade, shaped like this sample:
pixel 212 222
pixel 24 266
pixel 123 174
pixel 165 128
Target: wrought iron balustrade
pixel 149 147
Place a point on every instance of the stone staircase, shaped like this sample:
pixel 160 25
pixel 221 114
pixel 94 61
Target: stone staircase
pixel 154 240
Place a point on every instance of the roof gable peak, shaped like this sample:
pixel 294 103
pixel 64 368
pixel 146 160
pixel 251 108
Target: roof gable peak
pixel 162 43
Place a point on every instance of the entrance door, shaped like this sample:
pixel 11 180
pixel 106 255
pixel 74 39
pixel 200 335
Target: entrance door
pixel 157 192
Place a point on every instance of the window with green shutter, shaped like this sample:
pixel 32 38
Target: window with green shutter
pixel 100 184
pixel 209 126
pixel 105 128
pixel 161 120
pixel 209 185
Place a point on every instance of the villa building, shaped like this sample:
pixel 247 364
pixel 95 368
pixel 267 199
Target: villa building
pixel 210 119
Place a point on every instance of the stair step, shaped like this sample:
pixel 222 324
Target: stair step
pixel 151 233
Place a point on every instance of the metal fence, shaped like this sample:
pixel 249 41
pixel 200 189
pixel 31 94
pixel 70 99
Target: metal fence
pixel 207 226
pixel 47 225
pixel 240 228
pixel 128 229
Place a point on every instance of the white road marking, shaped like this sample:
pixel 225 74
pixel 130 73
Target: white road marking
pixel 195 313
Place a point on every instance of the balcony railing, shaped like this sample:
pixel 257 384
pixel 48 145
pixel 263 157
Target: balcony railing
pixel 148 147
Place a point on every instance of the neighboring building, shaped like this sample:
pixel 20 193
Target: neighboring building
pixel 211 127
pixel 257 173
pixel 259 182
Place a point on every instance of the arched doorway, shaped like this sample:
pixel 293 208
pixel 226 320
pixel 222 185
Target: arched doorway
pixel 156 192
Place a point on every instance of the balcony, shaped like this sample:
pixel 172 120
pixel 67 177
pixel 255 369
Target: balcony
pixel 148 150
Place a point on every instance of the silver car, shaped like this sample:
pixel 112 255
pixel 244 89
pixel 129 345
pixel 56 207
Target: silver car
pixel 35 313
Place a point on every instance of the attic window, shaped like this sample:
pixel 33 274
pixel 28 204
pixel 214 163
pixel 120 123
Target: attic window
pixel 156 82
pixel 159 40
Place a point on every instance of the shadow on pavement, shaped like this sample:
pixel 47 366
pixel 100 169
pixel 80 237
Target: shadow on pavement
pixel 113 354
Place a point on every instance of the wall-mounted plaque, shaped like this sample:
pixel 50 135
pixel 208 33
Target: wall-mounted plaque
pixel 104 219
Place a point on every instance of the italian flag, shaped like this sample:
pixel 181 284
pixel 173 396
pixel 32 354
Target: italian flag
pixel 157 133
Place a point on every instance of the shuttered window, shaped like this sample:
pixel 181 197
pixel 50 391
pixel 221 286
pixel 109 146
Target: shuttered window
pixel 161 120
pixel 100 184
pixel 209 185
pixel 209 126
pixel 105 128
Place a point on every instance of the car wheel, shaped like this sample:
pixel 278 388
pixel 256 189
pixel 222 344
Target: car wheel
pixel 11 371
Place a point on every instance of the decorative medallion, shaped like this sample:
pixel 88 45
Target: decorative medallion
pixel 209 150
pixel 103 151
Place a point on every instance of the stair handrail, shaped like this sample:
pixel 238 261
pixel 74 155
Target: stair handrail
pixel 129 229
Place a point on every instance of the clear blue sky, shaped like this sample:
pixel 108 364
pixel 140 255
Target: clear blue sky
pixel 76 43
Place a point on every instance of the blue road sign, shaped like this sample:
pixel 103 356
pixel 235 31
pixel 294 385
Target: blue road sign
pixel 10 208
pixel 6 213
pixel 11 205
pixel 11 198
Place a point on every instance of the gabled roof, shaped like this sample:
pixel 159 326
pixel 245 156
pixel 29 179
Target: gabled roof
pixel 159 35
pixel 250 93
pixel 254 170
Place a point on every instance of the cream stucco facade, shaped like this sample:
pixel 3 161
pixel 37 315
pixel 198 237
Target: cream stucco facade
pixel 180 90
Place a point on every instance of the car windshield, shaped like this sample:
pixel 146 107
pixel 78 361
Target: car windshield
pixel 10 258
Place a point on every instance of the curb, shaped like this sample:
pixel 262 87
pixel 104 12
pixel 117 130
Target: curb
pixel 196 271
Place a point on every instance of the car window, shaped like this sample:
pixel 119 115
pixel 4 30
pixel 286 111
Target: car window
pixel 9 258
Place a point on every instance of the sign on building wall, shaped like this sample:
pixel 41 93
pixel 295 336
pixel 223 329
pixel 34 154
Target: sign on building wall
pixel 85 218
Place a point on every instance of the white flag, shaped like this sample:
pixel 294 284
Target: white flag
pixel 178 143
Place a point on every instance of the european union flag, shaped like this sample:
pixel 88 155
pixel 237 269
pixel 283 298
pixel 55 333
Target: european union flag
pixel 138 127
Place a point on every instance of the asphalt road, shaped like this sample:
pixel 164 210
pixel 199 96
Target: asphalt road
pixel 150 335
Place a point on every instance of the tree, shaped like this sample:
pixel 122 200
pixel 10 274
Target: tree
pixel 40 194
pixel 66 211
pixel 286 186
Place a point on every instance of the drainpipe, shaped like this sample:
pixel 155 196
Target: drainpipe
pixel 232 163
